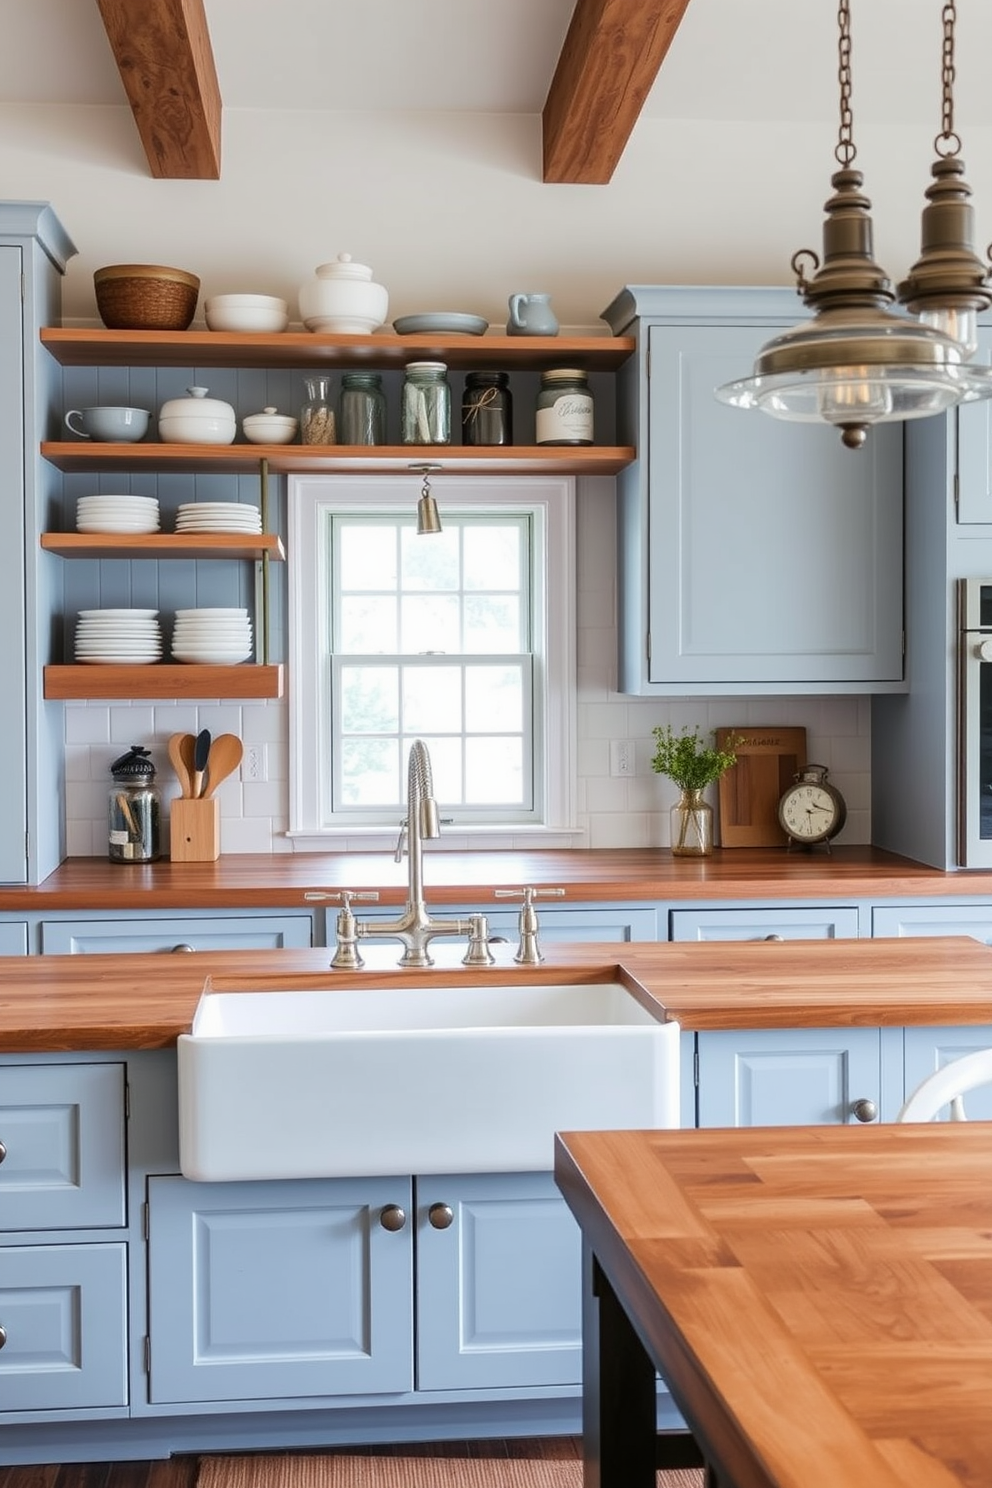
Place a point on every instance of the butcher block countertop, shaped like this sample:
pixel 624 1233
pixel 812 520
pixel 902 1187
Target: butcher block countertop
pixel 129 1002
pixel 281 880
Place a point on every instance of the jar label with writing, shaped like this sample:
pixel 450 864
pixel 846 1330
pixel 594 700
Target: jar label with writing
pixel 568 420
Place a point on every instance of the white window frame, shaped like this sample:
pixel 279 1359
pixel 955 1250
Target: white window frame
pixel 551 499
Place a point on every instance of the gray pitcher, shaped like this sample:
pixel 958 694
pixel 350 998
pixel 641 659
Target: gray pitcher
pixel 531 315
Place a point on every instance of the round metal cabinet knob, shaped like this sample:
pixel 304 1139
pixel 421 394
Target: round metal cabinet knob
pixel 182 947
pixel 440 1216
pixel 775 937
pixel 3 1152
pixel 865 1110
pixel 3 1335
pixel 392 1217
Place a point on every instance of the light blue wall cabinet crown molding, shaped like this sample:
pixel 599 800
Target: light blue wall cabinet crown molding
pixel 34 249
pixel 756 557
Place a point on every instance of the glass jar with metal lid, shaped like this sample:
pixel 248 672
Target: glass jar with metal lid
pixel 135 809
pixel 564 407
pixel 425 416
pixel 362 409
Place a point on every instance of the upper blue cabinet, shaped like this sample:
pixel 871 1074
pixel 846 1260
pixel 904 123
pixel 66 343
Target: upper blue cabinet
pixel 755 556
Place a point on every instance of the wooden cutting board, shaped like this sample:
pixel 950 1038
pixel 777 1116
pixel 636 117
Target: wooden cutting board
pixel 750 790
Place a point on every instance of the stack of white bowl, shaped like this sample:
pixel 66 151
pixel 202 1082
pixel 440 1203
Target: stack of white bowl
pixel 117 514
pixel 118 637
pixel 218 516
pixel 217 637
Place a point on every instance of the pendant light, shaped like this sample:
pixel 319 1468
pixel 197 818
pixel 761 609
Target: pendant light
pixel 948 285
pixel 858 362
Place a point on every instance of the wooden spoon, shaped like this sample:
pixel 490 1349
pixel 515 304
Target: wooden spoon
pixel 181 759
pixel 224 757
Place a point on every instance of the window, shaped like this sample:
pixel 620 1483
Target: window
pixel 464 639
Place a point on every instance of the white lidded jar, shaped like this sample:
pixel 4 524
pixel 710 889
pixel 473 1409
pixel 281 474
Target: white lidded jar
pixel 197 419
pixel 343 300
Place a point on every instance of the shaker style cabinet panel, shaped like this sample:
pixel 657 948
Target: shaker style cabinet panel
pixel 268 1291
pixel 929 1049
pixel 498 1283
pixel 934 919
pixel 184 933
pixel 974 450
pixel 786 1077
pixel 62 1129
pixel 62 1310
pixel 809 923
pixel 756 556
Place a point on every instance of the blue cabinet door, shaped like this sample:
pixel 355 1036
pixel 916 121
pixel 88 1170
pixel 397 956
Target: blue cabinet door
pixel 929 1049
pixel 809 923
pixel 934 919
pixel 171 933
pixel 62 1308
pixel 788 1077
pixel 273 1290
pixel 499 1287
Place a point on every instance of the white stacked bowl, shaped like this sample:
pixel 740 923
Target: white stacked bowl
pixel 134 514
pixel 212 636
pixel 118 637
pixel 246 312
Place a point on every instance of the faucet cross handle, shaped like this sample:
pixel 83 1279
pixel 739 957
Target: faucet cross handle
pixel 528 951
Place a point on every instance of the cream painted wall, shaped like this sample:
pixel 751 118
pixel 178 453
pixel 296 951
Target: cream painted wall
pixel 450 212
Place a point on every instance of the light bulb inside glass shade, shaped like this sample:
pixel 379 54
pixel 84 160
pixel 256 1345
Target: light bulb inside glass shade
pixel 961 325
pixel 852 394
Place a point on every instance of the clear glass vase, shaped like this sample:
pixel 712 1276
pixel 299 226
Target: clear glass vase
pixel 692 825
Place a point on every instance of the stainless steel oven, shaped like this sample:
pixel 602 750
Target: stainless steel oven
pixel 975 723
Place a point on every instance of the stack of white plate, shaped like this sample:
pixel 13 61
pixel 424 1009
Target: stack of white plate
pixel 216 637
pixel 117 514
pixel 118 637
pixel 218 516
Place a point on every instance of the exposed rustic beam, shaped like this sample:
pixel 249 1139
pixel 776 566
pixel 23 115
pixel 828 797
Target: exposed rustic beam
pixel 163 50
pixel 610 58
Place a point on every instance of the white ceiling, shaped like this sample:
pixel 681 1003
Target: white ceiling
pixel 731 59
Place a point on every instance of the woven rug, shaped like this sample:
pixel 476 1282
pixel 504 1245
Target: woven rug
pixel 554 1463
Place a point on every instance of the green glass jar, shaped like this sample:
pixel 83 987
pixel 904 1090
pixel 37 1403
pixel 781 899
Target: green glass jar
pixel 564 407
pixel 361 409
pixel 425 416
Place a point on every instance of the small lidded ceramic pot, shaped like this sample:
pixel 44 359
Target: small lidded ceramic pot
pixel 342 300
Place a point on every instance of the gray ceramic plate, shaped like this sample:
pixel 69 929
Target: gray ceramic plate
pixel 444 322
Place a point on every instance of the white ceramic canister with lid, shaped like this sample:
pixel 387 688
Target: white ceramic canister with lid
pixel 342 299
pixel 197 419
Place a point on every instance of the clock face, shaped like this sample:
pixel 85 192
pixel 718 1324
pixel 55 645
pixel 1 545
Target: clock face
pixel 808 813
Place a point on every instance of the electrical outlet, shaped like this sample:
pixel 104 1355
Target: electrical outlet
pixel 622 757
pixel 255 764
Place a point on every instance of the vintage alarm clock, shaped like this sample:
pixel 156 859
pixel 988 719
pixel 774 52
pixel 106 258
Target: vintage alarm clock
pixel 811 811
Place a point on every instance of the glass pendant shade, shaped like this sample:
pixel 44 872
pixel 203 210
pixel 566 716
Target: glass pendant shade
pixel 947 286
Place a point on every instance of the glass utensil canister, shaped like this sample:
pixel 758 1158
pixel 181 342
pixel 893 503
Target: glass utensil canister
pixel 135 812
pixel 425 416
pixel 362 409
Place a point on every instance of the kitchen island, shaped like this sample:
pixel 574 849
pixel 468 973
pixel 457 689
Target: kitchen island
pixel 146 1314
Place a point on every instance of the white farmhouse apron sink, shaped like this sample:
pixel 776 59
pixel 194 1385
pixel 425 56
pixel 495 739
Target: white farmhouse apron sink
pixel 391 1080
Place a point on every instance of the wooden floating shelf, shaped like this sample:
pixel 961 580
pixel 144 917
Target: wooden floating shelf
pixel 201 545
pixel 103 348
pixel 380 459
pixel 244 459
pixel 163 680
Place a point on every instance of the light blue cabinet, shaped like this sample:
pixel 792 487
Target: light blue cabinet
pixel 268 1291
pixel 934 919
pixel 188 932
pixel 812 922
pixel 756 557
pixel 789 1077
pixel 499 1285
pixel 929 1049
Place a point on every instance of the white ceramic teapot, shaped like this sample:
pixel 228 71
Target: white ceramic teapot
pixel 342 299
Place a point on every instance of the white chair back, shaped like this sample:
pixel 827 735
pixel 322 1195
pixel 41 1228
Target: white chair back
pixel 946 1087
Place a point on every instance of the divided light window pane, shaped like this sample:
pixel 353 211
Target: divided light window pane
pixel 431 638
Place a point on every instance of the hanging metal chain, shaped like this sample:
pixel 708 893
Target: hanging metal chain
pixel 845 150
pixel 947 142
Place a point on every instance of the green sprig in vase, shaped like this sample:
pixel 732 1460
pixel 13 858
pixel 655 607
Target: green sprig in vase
pixel 692 766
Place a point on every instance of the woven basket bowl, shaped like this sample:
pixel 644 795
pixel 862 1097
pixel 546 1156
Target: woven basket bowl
pixel 145 297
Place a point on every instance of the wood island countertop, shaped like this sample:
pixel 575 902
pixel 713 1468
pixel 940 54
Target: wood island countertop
pixel 131 1002
pixel 283 880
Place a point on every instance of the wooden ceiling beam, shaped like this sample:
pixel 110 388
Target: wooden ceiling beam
pixel 166 62
pixel 611 57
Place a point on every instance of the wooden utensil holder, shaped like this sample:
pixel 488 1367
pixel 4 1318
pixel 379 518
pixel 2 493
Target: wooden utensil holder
pixel 194 830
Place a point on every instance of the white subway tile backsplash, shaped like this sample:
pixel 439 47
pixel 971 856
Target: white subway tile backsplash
pixel 628 811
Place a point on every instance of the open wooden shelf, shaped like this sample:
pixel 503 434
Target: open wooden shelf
pixel 217 545
pixel 103 348
pixel 163 679
pixel 380 459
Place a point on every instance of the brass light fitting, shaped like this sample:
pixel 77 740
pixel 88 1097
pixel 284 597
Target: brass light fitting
pixel 428 516
pixel 857 361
